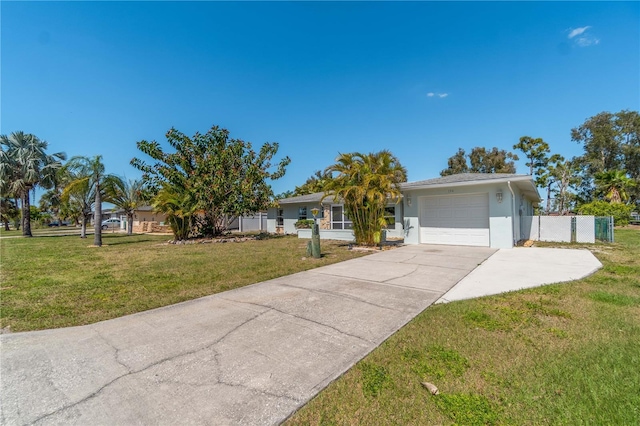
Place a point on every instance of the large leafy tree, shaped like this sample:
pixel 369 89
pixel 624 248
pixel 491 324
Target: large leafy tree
pixel 226 177
pixel 25 164
pixel 456 164
pixel 481 160
pixel 91 177
pixel 492 161
pixel 536 151
pixel 547 177
pixel 366 183
pixel 127 195
pixel 602 142
pixel 611 141
pixel 565 175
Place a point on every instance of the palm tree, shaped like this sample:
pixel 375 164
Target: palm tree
pixel 614 184
pixel 126 195
pixel 91 171
pixel 313 184
pixel 8 211
pixel 51 201
pixel 180 206
pixel 77 199
pixel 366 183
pixel 24 164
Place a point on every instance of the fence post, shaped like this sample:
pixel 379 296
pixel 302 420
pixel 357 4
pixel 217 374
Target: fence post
pixel 611 229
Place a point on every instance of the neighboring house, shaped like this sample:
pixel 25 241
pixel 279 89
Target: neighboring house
pixel 146 214
pixel 106 214
pixel 464 209
pixel 254 222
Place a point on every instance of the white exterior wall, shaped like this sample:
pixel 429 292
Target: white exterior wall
pixel 291 217
pixel 501 233
pixel 271 220
pixel 397 230
pixel 329 234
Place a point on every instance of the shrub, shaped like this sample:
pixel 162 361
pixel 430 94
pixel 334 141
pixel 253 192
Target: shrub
pixel 304 224
pixel 621 212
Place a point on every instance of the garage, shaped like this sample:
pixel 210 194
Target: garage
pixel 455 219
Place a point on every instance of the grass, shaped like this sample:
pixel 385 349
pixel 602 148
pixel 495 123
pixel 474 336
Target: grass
pixel 559 354
pixel 38 231
pixel 49 282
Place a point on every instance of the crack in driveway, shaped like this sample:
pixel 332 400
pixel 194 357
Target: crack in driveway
pixel 301 318
pixel 130 372
pixel 341 295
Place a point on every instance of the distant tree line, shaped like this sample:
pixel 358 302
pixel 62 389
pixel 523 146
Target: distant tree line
pixel 606 177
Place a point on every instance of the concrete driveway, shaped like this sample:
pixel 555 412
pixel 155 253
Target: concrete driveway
pixel 250 356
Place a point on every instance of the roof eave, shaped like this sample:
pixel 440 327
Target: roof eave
pixel 408 186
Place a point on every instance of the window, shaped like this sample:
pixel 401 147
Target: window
pixel 390 216
pixel 302 213
pixel 339 219
pixel 280 218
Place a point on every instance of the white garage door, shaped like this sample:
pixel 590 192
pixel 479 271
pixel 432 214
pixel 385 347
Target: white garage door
pixel 455 219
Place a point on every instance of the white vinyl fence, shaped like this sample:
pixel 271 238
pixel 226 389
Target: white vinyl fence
pixel 578 229
pixel 255 222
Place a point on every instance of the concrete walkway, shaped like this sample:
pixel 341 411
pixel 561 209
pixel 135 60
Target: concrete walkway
pixel 510 270
pixel 249 356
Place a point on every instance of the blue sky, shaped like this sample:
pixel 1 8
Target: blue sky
pixel 418 78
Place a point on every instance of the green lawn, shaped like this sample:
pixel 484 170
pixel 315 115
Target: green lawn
pixel 555 355
pixel 50 231
pixel 49 282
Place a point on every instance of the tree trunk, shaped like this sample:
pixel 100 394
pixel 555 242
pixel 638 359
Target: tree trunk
pixel 26 215
pixel 129 223
pixel 17 222
pixel 83 226
pixel 97 218
pixel 6 225
pixel 548 198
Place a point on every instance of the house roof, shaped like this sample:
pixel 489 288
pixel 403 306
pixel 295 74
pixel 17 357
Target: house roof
pixel 462 178
pixel 309 198
pixel 524 182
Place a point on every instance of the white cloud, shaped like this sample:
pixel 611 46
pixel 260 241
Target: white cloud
pixel 431 94
pixel 443 95
pixel 582 38
pixel 587 41
pixel 578 31
pixel 440 95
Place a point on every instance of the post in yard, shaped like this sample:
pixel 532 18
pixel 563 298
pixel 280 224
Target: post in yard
pixel 315 235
